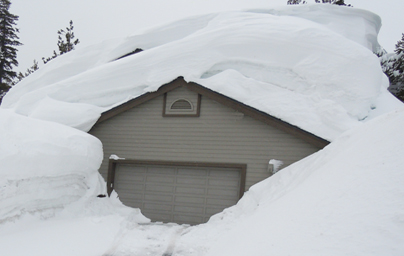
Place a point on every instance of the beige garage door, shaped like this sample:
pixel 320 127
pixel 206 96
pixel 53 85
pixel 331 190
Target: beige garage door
pixel 178 193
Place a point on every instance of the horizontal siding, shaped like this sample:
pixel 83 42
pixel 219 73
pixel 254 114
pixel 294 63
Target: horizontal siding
pixel 219 135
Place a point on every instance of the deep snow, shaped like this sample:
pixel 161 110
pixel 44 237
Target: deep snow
pixel 311 66
pixel 344 200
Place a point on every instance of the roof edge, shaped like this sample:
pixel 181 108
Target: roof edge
pixel 178 82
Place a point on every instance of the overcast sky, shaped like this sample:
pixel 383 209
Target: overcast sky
pixel 98 20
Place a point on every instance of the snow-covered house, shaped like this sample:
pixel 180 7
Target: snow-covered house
pixel 192 121
pixel 189 152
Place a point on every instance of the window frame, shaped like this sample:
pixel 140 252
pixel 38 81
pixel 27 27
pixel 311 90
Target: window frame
pixel 182 113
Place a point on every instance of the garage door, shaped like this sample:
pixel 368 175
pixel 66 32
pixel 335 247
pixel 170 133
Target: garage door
pixel 178 193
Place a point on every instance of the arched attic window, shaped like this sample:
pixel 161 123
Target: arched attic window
pixel 181 105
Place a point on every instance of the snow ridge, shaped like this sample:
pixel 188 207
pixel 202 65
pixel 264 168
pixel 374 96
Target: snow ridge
pixel 311 66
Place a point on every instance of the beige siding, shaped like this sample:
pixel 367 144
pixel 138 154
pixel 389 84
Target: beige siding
pixel 219 135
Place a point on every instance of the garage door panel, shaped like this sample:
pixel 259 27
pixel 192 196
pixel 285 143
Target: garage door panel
pixel 192 172
pixel 180 194
pixel 190 190
pixel 161 171
pixel 223 183
pixel 228 193
pixel 189 210
pixel 159 188
pixel 131 168
pixel 187 180
pixel 158 197
pixel 190 200
pixel 126 195
pixel 219 202
pixel 138 178
pixel 160 179
pixel 219 173
pixel 133 187
pixel 157 207
pixel 125 176
pixel 187 219
pixel 135 177
pixel 159 216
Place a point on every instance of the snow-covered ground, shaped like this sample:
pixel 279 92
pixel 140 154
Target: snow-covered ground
pixel 311 66
pixel 344 200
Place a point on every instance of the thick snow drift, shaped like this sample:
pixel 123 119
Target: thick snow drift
pixel 45 166
pixel 311 66
pixel 345 200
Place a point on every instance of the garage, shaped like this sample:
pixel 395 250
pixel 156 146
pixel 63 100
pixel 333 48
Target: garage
pixel 184 193
pixel 187 152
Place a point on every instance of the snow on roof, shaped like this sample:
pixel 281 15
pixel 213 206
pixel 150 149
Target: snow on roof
pixel 311 66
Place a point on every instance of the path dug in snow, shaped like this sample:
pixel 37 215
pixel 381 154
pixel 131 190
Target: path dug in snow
pixel 154 239
pixel 110 235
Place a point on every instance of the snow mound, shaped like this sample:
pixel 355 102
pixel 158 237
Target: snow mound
pixel 311 66
pixel 46 167
pixel 344 200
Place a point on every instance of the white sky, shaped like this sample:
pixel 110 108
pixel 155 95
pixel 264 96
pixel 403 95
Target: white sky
pixel 97 20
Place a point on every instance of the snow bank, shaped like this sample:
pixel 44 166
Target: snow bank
pixel 45 166
pixel 345 200
pixel 308 65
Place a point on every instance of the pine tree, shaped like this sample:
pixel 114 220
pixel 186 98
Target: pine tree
pixel 295 2
pixel 69 36
pixel 65 43
pixel 400 46
pixel 397 78
pixel 337 2
pixel 340 2
pixel 393 66
pixel 8 43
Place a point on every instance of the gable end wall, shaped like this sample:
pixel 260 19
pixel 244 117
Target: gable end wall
pixel 219 135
